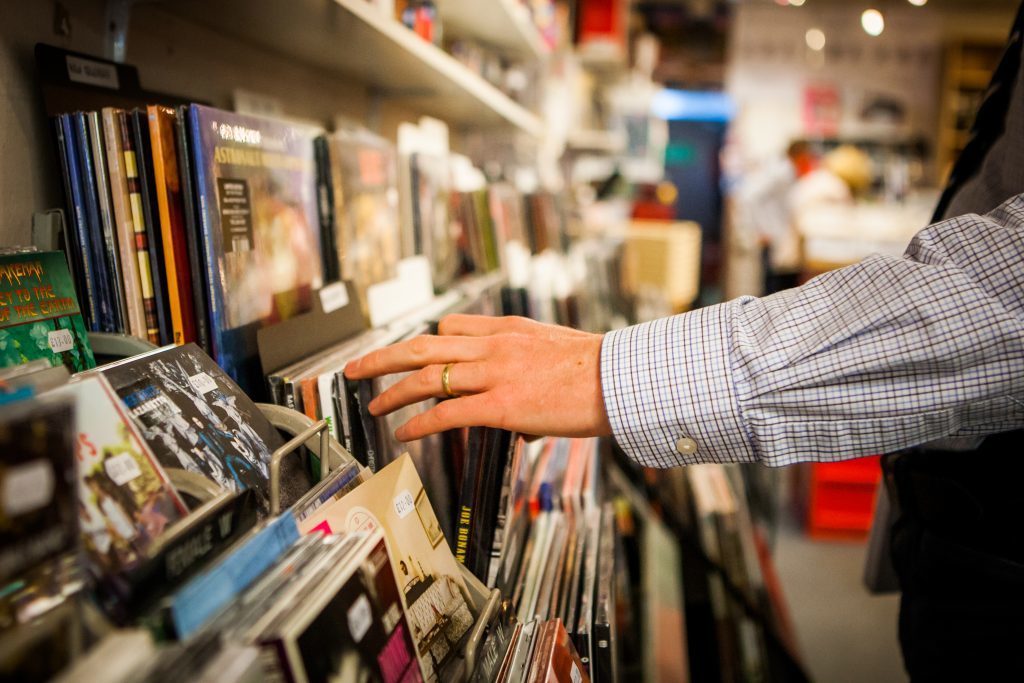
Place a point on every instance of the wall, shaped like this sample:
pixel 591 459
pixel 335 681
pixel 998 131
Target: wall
pixel 770 64
pixel 172 56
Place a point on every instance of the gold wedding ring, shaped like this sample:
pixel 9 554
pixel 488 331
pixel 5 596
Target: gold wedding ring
pixel 446 381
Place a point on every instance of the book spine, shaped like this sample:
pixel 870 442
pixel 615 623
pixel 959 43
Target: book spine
pixel 209 236
pixel 71 244
pixel 325 204
pixel 196 258
pixel 144 166
pixel 166 181
pixel 123 224
pixel 94 248
pixel 99 156
pixel 131 175
pixel 467 495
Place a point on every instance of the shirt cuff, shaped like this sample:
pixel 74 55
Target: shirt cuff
pixel 669 392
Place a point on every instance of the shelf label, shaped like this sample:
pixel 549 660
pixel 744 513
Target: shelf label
pixel 333 297
pixel 92 72
pixel 60 340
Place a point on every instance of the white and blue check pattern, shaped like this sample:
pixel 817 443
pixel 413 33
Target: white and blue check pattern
pixel 882 355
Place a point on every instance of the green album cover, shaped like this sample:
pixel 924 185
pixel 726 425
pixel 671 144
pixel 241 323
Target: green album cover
pixel 39 313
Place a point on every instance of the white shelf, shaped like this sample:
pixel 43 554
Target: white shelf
pixel 502 24
pixel 351 37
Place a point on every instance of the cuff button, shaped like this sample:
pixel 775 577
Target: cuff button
pixel 686 446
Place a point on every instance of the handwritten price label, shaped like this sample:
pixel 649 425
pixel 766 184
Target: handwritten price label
pixel 60 340
pixel 404 504
pixel 122 469
pixel 202 383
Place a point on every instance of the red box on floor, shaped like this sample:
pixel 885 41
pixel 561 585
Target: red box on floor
pixel 842 498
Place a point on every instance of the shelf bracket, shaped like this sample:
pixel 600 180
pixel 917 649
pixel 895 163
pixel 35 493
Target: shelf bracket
pixel 119 14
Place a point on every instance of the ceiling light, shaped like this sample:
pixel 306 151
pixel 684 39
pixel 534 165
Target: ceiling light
pixel 815 38
pixel 800 3
pixel 918 3
pixel 873 22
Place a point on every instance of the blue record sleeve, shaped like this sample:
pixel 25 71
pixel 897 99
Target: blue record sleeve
pixel 79 224
pixel 94 244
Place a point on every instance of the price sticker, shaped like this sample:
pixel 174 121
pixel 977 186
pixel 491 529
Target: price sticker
pixel 333 297
pixel 202 383
pixel 404 504
pixel 26 487
pixel 60 340
pixel 360 618
pixel 122 469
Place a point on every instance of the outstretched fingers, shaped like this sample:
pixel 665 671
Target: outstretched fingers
pixel 416 353
pixel 478 410
pixel 463 378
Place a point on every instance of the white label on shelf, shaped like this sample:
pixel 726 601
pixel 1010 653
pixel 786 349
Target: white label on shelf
pixel 122 469
pixel 404 504
pixel 27 487
pixel 202 383
pixel 575 674
pixel 359 618
pixel 92 72
pixel 60 340
pixel 333 297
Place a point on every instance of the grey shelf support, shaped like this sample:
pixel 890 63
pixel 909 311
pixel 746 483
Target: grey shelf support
pixel 293 446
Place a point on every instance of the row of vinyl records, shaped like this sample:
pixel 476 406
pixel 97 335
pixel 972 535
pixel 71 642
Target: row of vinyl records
pixel 355 581
pixel 193 224
pixel 114 523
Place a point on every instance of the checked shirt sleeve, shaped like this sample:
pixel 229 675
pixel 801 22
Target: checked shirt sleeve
pixel 879 356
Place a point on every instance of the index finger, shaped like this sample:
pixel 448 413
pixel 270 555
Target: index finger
pixel 414 354
pixel 462 324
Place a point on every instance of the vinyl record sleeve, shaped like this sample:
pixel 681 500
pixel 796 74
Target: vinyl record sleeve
pixel 434 592
pixel 364 191
pixel 126 500
pixel 256 191
pixel 196 418
pixel 39 313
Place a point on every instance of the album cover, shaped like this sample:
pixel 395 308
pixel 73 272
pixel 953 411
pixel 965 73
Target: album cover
pixel 256 196
pixel 38 516
pixel 39 313
pixel 364 191
pixel 351 622
pixel 196 418
pixel 434 592
pixel 430 179
pixel 125 499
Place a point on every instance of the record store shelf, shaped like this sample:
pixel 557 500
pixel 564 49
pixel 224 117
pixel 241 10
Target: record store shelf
pixel 352 37
pixel 501 24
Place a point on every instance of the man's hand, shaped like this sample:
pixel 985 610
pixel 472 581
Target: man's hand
pixel 511 373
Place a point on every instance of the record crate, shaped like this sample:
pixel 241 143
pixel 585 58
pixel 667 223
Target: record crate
pixel 841 499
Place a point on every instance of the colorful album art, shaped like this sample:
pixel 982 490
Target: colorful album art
pixel 364 180
pixel 125 501
pixel 425 569
pixel 256 184
pixel 39 313
pixel 195 418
